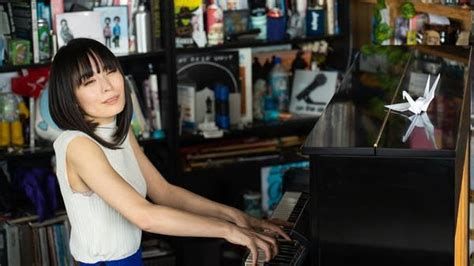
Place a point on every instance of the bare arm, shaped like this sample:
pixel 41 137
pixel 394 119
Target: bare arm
pixel 87 160
pixel 162 192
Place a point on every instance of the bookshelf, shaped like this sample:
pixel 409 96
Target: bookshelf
pixel 164 153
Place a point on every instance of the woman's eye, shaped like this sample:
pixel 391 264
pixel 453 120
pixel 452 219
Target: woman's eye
pixel 88 82
pixel 111 71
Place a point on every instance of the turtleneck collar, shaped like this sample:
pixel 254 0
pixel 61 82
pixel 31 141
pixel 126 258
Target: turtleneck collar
pixel 106 131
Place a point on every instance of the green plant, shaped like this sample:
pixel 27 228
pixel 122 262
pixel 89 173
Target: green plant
pixel 382 30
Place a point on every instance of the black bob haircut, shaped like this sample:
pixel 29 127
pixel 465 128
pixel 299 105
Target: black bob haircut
pixel 71 66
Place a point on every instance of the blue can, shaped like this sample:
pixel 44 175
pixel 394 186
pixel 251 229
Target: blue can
pixel 276 28
pixel 221 95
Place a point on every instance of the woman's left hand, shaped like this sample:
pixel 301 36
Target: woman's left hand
pixel 271 226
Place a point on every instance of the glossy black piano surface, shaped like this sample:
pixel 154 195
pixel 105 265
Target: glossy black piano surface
pixel 353 122
pixel 384 190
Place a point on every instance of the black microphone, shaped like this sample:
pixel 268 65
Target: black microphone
pixel 319 80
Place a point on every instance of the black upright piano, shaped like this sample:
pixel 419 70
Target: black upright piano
pixel 386 184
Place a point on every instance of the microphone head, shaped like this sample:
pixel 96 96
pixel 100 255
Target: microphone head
pixel 320 79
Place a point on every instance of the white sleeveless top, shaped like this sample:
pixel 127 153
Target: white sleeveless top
pixel 98 231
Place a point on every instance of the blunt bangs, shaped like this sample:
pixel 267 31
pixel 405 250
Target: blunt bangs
pixel 101 57
pixel 73 64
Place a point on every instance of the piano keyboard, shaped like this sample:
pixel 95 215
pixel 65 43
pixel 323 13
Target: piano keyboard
pixel 289 209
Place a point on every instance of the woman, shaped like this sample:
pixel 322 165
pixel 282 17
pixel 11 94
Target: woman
pixel 104 176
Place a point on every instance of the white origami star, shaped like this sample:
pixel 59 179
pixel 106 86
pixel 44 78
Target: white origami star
pixel 421 104
pixel 418 108
pixel 422 121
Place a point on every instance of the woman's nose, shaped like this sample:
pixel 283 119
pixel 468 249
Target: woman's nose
pixel 106 84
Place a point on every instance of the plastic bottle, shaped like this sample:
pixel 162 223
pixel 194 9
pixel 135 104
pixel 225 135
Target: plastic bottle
pixel 279 85
pixel 215 24
pixel 143 29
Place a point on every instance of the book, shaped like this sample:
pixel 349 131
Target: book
pixel 330 22
pixel 13 244
pixel 27 251
pixel 139 122
pixel 26 24
pixel 3 246
pixel 156 24
pixel 245 71
pixel 5 27
pixel 189 23
pixel 271 183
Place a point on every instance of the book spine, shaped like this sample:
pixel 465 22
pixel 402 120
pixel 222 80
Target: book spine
pixel 43 241
pixel 53 259
pixel 148 103
pixel 26 245
pixel 21 16
pixel 330 16
pixel 13 244
pixel 155 101
pixel 3 246
pixel 472 27
pixel 337 29
pixel 36 247
pixel 10 17
pixel 57 7
pixel 34 31
pixel 156 24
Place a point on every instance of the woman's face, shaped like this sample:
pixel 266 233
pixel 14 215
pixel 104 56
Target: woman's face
pixel 101 96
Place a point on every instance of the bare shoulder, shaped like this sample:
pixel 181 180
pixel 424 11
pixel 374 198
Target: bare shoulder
pixel 84 148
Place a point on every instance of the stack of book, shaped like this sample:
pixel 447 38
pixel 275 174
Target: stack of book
pixel 234 151
pixel 26 242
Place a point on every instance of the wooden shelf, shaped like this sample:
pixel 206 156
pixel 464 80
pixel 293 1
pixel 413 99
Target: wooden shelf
pixel 10 68
pixel 458 13
pixel 131 56
pixel 454 12
pixel 445 52
pixel 301 125
pixel 47 151
pixel 256 43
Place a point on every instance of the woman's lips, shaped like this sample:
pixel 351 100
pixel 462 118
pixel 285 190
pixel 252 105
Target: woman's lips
pixel 111 100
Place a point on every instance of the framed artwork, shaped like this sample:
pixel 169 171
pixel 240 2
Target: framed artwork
pixel 114 28
pixel 78 24
pixel 196 72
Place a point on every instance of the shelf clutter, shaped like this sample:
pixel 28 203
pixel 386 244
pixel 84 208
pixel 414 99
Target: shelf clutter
pixel 237 81
pixel 426 22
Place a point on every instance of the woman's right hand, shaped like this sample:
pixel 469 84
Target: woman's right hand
pixel 253 241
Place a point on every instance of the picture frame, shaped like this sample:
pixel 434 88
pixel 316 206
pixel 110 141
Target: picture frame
pixel 85 24
pixel 114 27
